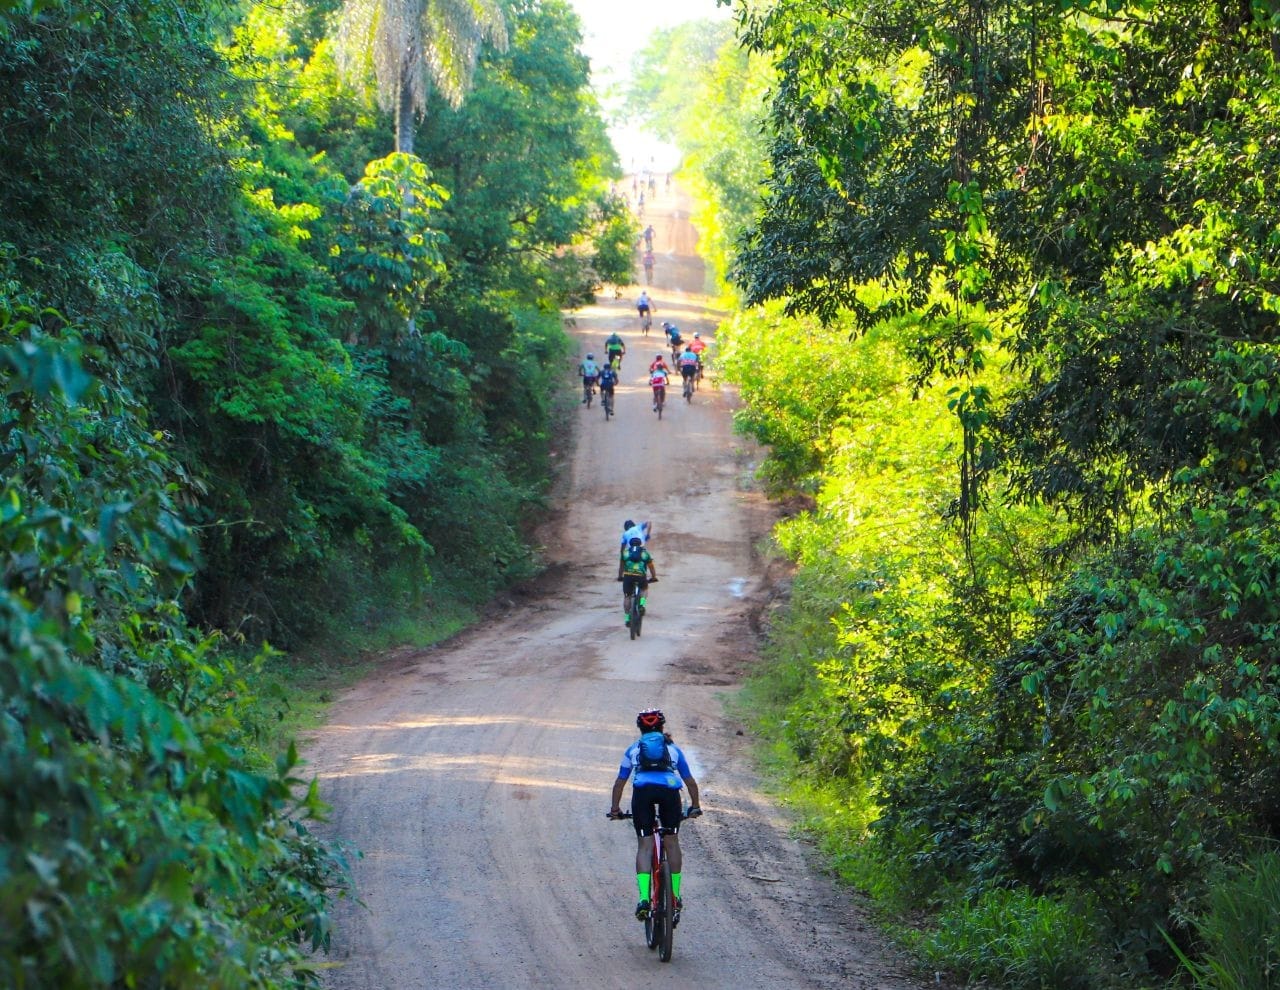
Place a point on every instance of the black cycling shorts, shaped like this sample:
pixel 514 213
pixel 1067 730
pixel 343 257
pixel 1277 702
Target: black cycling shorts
pixel 631 581
pixel 668 800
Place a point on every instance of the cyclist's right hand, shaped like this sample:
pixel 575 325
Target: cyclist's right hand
pixel 694 812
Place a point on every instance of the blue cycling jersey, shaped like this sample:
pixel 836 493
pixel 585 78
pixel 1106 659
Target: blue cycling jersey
pixel 663 778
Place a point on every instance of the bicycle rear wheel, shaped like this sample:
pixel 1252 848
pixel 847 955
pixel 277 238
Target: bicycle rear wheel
pixel 666 909
pixel 607 402
pixel 637 614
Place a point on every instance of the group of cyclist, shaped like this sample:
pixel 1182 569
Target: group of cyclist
pixel 686 356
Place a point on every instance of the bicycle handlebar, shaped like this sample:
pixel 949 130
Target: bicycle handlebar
pixel 624 815
pixel 649 580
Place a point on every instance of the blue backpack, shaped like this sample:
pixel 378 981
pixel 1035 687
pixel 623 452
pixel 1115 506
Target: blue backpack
pixel 652 753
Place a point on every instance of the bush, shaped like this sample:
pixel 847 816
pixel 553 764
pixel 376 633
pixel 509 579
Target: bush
pixel 1240 928
pixel 1020 940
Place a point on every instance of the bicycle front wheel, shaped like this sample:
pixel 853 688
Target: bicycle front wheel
pixel 666 904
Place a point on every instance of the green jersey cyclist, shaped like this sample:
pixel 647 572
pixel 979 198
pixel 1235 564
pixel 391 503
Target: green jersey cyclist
pixel 635 571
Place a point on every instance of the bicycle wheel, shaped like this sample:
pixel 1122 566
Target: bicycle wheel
pixel 688 390
pixel 666 903
pixel 588 394
pixel 607 402
pixel 651 923
pixel 637 614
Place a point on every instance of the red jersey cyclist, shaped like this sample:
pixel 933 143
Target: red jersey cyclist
pixel 658 382
pixel 659 361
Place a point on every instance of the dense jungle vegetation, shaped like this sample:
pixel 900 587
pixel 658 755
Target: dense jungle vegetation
pixel 268 378
pixel 1008 279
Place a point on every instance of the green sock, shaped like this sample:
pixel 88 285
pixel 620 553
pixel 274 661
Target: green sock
pixel 642 882
pixel 675 884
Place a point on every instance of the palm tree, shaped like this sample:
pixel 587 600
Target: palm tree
pixel 414 44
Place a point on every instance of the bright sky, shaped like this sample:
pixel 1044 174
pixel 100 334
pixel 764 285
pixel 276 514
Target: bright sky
pixel 612 32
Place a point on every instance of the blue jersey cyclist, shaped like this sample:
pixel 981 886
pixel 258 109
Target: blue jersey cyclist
pixel 608 379
pixel 657 768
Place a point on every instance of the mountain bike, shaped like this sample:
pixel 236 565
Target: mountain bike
pixel 659 399
pixel 688 388
pixel 635 612
pixel 588 390
pixel 660 926
pixel 646 321
pixel 606 400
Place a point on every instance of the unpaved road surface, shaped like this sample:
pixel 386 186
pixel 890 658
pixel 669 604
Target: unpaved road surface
pixel 474 776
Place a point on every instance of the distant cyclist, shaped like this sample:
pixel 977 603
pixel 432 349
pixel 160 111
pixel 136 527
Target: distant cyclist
pixel 659 767
pixel 648 237
pixel 644 306
pixel 614 346
pixel 635 571
pixel 608 381
pixel 632 530
pixel 658 379
pixel 688 362
pixel 589 372
pixel 673 333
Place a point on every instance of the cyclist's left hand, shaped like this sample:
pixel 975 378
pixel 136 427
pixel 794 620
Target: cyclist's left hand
pixel 694 812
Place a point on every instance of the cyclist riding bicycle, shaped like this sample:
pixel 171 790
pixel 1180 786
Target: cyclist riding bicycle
pixel 635 571
pixel 634 530
pixel 608 379
pixel 688 363
pixel 614 346
pixel 658 382
pixel 659 767
pixel 644 306
pixel 589 372
pixel 659 361
pixel 672 332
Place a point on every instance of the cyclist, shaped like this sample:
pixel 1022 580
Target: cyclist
pixel 614 346
pixel 688 363
pixel 659 361
pixel 648 267
pixel 608 379
pixel 589 372
pixel 655 784
pixel 635 571
pixel 648 237
pixel 658 382
pixel 634 530
pixel 673 333
pixel 643 306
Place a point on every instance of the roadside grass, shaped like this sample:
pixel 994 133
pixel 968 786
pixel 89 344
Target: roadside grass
pixel 296 691
pixel 1016 940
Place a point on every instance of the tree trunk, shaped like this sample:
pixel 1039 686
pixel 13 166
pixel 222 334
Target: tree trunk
pixel 404 120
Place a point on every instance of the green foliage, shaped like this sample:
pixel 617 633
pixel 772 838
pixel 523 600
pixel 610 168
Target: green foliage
pixel 138 843
pixel 253 382
pixel 1240 928
pixel 1019 941
pixel 1051 662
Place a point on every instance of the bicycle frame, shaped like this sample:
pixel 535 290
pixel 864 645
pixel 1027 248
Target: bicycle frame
pixel 659 927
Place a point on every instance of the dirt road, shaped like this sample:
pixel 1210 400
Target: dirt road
pixel 474 776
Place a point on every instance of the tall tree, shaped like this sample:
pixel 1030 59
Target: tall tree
pixel 411 45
